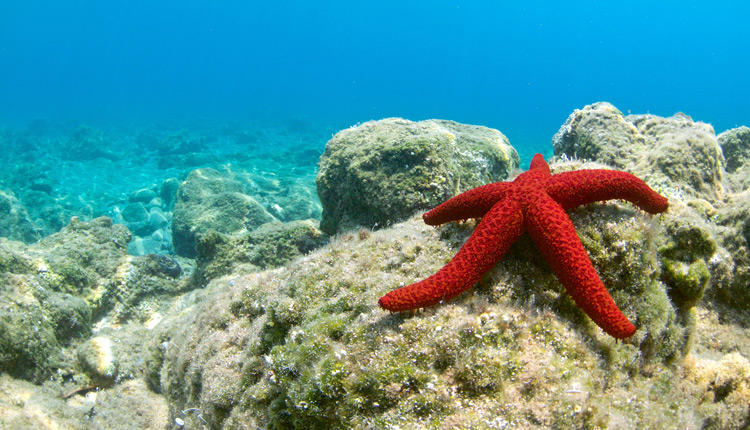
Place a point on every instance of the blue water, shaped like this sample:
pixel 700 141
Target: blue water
pixel 294 72
pixel 519 66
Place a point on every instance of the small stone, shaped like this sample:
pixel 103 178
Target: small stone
pixel 169 190
pixel 97 358
pixel 157 219
pixel 134 212
pixel 157 236
pixel 144 195
pixel 156 202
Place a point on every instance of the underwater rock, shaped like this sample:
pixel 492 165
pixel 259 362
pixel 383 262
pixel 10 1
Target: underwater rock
pixel 725 388
pixel 599 132
pixel 676 156
pixel 130 405
pixel 735 145
pixel 97 358
pixel 735 238
pixel 272 244
pixel 135 212
pixel 306 346
pixel 15 223
pixel 381 172
pixel 136 219
pixel 208 199
pixel 41 184
pixel 168 191
pixel 52 291
pixel 81 253
pixel 70 316
pixel 86 143
pixel 28 345
pixel 143 195
pixel 157 218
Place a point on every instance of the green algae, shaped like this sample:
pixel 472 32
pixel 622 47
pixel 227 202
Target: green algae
pixel 685 258
pixel 272 244
pixel 320 354
pixel 382 171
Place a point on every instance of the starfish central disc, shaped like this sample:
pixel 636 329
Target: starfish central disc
pixel 535 202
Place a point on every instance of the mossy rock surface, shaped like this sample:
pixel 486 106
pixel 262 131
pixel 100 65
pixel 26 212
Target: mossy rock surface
pixel 271 245
pixel 15 222
pixel 53 290
pixel 212 200
pixel 307 347
pixel 29 348
pixel 677 156
pixel 734 288
pixel 380 172
pixel 735 146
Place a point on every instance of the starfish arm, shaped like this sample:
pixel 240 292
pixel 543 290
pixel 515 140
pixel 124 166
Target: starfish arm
pixel 499 228
pixel 555 236
pixel 538 163
pixel 573 189
pixel 474 203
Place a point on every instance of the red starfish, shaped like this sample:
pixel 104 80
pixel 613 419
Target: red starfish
pixel 535 202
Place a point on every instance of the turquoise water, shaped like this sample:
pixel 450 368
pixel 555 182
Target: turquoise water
pixel 98 100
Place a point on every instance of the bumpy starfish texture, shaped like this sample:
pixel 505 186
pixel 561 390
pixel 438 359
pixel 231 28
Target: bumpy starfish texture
pixel 535 202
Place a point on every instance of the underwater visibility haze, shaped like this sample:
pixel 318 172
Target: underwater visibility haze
pixel 201 203
pixel 521 67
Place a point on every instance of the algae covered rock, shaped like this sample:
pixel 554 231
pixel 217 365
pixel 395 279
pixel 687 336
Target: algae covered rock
pixel 676 156
pixel 735 145
pixel 75 259
pixel 272 244
pixel 208 199
pixel 15 223
pixel 126 406
pixel 599 132
pixel 29 348
pixel 54 289
pixel 725 385
pixel 97 358
pixel 686 255
pixel 735 237
pixel 50 289
pixel 307 347
pixel 382 171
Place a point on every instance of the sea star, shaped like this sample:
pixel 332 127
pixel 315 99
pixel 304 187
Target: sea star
pixel 535 202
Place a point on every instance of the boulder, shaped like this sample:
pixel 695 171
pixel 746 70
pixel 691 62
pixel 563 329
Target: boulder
pixel 15 223
pixel 272 244
pixel 735 146
pixel 381 172
pixel 143 195
pixel 209 199
pixel 677 156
